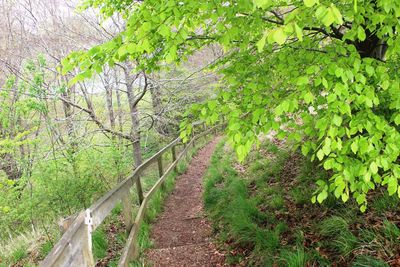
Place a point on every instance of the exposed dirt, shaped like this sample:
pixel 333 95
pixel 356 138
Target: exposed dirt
pixel 182 235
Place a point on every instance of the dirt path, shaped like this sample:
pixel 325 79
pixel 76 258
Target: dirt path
pixel 182 234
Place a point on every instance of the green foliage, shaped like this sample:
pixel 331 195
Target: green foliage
pixel 19 254
pixel 99 241
pixel 296 258
pixel 333 226
pixel 301 195
pixel 367 261
pixel 25 97
pixel 311 74
pixel 94 173
pixel 391 231
pixel 384 202
pixel 45 248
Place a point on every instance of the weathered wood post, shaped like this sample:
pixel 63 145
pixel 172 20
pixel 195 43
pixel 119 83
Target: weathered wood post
pixel 173 152
pixel 139 189
pixel 87 246
pixel 205 129
pixel 127 211
pixel 160 170
pixel 193 135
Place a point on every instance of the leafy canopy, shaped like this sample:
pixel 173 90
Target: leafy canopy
pixel 322 73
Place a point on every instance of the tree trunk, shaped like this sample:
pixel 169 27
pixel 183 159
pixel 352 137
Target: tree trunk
pixel 72 145
pixel 156 99
pixel 119 112
pixel 135 131
pixel 109 102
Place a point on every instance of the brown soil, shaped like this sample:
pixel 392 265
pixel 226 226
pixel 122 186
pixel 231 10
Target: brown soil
pixel 182 235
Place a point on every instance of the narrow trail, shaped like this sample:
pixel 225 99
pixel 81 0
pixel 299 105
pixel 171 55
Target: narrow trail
pixel 182 235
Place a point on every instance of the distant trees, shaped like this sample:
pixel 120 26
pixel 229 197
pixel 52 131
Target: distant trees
pixel 63 143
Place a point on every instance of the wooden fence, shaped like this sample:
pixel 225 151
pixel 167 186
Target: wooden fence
pixel 75 246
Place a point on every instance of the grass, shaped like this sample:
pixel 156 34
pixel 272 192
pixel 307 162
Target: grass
pixel 384 203
pixel 297 258
pixel 99 241
pixel 367 261
pixel 19 254
pixel 391 231
pixel 227 200
pixel 333 226
pixel 264 216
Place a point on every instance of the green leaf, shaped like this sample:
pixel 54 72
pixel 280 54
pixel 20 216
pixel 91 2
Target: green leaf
pixel 329 163
pixel 279 36
pixel 328 18
pixel 320 154
pixel 261 43
pixel 164 30
pixel 397 119
pixel 281 108
pixel 336 14
pixel 299 32
pixel 322 196
pixel 308 97
pixel 313 199
pixel 305 149
pixel 262 3
pixel 326 149
pixel 363 208
pixel 212 104
pixel 361 33
pixel 337 120
pixel 392 185
pixel 310 3
pixel 361 198
pixel 370 70
pixel 345 197
pixel 241 152
pixel 302 80
pixel 325 83
pixel 354 147
pixel 373 167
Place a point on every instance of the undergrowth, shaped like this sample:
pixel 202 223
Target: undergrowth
pixel 27 249
pixel 262 214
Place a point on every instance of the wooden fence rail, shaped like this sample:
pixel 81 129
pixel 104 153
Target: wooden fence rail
pixel 75 246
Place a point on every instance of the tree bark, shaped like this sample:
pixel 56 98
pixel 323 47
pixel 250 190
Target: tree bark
pixel 134 114
pixel 109 100
pixel 156 99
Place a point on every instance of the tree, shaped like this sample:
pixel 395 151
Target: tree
pixel 322 73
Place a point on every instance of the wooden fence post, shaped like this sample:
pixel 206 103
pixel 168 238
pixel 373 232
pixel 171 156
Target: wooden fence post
pixel 139 189
pixel 193 136
pixel 160 170
pixel 174 158
pixel 205 129
pixel 184 149
pixel 87 247
pixel 127 211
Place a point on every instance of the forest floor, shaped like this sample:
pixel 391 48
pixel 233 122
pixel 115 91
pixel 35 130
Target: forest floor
pixel 182 235
pixel 262 215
